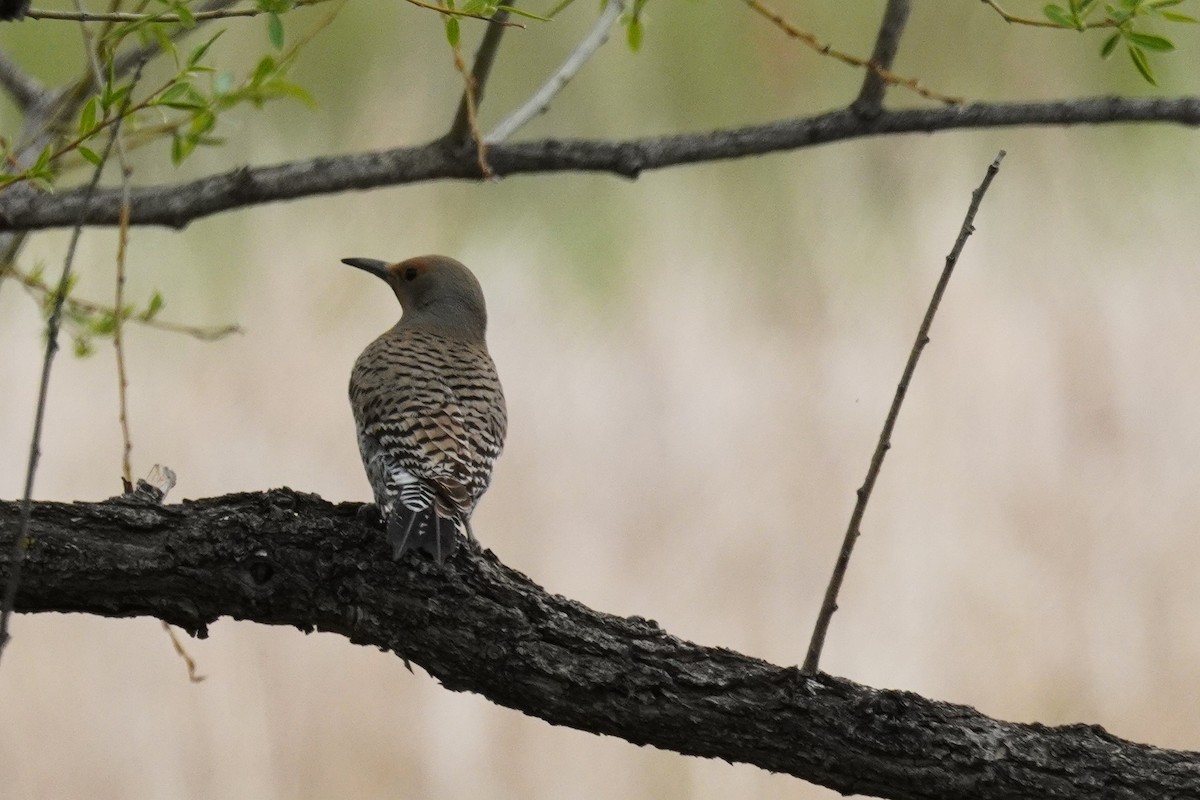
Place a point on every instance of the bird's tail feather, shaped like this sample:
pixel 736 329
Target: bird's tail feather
pixel 422 529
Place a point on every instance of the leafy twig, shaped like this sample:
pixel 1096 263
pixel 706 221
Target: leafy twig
pixel 21 541
pixel 827 50
pixel 540 101
pixel 1036 23
pixel 452 12
pixel 123 16
pixel 829 605
pixel 85 308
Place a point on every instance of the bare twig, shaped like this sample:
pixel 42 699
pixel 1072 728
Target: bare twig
pixel 484 58
pixel 23 88
pixel 89 46
pixel 887 43
pixel 540 101
pixel 81 15
pixel 472 119
pixel 21 541
pixel 118 328
pixel 827 50
pixel 182 652
pixel 829 605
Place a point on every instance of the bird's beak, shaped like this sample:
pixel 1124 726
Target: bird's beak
pixel 377 268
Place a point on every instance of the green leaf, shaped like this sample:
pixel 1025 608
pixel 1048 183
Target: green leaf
pixel 265 67
pixel 104 324
pixel 1058 15
pixel 202 123
pixel 43 159
pixel 1177 17
pixel 275 30
pixel 112 96
pixel 185 15
pixel 1110 44
pixel 91 155
pixel 87 117
pixel 482 8
pixel 634 34
pixel 202 50
pixel 522 13
pixel 179 151
pixel 156 304
pixel 283 88
pixel 1143 66
pixel 1156 43
pixel 83 347
pixel 452 32
pixel 181 95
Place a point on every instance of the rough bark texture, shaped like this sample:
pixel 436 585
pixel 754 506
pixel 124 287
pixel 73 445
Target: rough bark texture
pixel 288 558
pixel 176 205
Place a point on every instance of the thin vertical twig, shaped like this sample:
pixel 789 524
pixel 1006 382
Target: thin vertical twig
pixel 118 336
pixel 472 117
pixel 89 45
pixel 119 323
pixel 21 541
pixel 829 605
pixel 485 56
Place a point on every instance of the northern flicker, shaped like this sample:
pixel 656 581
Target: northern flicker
pixel 428 405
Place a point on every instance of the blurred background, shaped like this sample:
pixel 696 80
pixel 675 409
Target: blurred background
pixel 697 365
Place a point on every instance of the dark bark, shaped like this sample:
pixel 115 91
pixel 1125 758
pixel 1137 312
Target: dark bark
pixel 179 204
pixel 287 558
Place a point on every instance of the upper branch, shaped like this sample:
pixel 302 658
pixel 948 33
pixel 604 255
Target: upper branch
pixel 177 205
pixel 287 558
pixel 460 129
pixel 887 43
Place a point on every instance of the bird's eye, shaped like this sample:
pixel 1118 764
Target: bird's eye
pixel 410 274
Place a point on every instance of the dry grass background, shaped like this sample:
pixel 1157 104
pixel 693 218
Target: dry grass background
pixel 697 365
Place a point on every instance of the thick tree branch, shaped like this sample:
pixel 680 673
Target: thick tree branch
pixel 177 205
pixel 287 558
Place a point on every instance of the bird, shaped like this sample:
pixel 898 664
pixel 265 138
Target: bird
pixel 428 405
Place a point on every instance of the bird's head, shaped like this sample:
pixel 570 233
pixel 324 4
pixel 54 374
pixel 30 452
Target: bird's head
pixel 434 291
